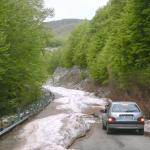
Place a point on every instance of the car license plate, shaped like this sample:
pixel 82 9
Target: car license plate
pixel 126 117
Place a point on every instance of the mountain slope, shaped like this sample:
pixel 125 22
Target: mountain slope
pixel 63 28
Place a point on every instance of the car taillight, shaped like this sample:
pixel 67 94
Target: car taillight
pixel 141 120
pixel 111 119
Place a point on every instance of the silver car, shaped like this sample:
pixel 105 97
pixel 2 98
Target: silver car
pixel 123 115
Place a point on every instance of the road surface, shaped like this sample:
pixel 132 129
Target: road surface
pixel 97 139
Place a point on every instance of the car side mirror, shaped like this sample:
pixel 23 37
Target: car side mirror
pixel 103 111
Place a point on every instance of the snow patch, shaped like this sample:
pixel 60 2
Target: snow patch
pixel 43 133
pixel 57 132
pixel 75 100
pixel 147 126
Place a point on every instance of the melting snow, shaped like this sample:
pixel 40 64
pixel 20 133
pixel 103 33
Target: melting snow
pixel 75 100
pixel 147 126
pixel 59 131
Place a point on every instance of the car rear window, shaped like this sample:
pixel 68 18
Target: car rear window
pixel 125 108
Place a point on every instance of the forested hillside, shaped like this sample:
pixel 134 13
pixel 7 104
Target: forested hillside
pixel 62 28
pixel 115 48
pixel 22 39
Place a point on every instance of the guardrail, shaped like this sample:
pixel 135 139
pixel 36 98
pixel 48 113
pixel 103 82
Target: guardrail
pixel 147 115
pixel 9 122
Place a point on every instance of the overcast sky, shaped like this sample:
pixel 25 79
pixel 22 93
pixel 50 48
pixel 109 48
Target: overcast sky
pixel 79 9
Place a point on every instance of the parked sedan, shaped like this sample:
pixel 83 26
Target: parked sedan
pixel 123 115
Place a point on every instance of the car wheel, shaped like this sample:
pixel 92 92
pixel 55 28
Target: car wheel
pixel 109 131
pixel 141 131
pixel 104 127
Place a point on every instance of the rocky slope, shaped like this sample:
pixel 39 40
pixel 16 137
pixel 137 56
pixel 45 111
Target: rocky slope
pixel 76 78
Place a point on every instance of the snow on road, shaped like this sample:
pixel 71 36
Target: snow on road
pixel 76 100
pixel 57 132
pixel 147 126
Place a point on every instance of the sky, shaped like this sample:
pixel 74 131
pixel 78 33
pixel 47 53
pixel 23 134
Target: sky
pixel 77 9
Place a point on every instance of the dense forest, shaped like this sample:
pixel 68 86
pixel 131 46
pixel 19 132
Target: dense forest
pixel 22 41
pixel 114 47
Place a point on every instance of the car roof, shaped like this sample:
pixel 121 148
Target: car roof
pixel 124 102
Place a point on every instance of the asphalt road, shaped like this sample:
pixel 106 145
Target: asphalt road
pixel 97 139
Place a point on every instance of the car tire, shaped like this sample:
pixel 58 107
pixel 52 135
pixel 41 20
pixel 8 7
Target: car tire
pixel 104 127
pixel 108 130
pixel 141 131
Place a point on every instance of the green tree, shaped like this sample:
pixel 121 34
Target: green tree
pixel 22 40
pixel 129 44
pixel 80 49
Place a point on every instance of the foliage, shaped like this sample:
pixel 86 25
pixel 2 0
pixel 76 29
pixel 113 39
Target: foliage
pixel 75 50
pixel 56 43
pixel 115 45
pixel 22 39
pixel 53 59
